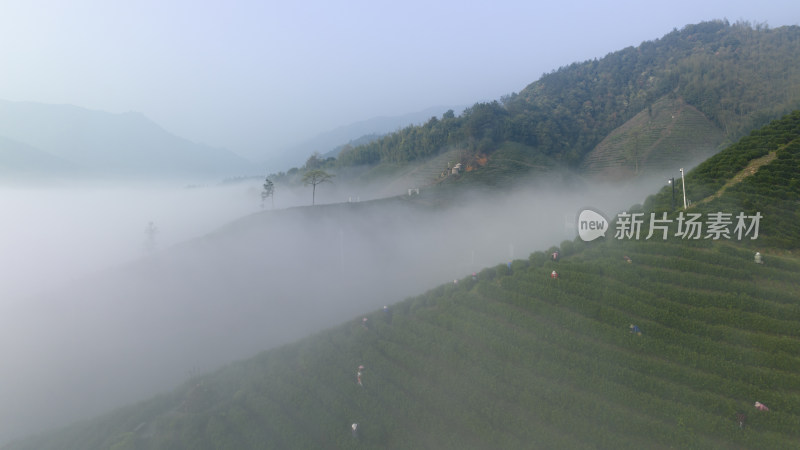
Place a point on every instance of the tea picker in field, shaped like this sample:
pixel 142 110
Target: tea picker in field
pixel 387 314
pixel 740 418
pixel 761 407
pixel 358 375
pixel 635 330
pixel 354 427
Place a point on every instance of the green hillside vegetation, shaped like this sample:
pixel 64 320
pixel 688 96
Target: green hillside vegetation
pixel 516 360
pixel 363 140
pixel 773 189
pixel 512 358
pixel 508 165
pixel 402 176
pixel 728 78
pixel 667 135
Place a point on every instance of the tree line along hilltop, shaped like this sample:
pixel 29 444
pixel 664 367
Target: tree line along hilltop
pixel 682 96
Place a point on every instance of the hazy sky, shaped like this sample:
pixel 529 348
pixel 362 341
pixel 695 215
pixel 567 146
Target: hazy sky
pixel 258 76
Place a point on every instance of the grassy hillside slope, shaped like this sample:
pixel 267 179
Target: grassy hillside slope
pixel 667 135
pixel 512 358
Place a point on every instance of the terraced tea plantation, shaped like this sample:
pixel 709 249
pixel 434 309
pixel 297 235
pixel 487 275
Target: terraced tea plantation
pixel 513 358
pixel 666 136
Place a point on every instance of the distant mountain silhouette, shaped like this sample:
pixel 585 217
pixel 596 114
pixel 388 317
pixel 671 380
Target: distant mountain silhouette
pixel 67 141
pixel 19 161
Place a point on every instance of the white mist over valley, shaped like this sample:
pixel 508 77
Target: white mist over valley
pixel 92 320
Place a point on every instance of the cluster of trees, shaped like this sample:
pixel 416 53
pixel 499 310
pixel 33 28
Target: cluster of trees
pixel 408 144
pixel 312 174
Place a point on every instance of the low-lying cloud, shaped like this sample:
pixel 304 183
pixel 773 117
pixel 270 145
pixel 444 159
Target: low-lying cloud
pixel 90 321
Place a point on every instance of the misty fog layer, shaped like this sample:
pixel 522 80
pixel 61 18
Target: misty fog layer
pixel 124 333
pixel 52 235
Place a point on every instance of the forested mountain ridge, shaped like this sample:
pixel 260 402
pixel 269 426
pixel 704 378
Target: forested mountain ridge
pixel 737 75
pixel 637 343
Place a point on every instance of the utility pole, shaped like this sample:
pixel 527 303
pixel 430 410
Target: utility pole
pixel 683 182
